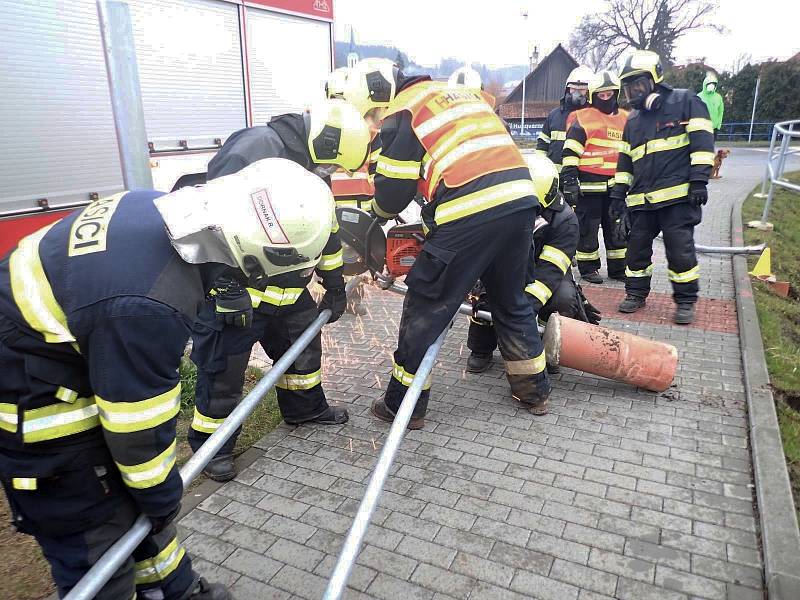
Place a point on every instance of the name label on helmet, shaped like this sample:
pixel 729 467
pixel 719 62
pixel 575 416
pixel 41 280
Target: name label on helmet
pixel 268 218
pixel 613 134
pixel 90 230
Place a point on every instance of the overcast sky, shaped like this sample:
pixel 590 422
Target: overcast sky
pixel 493 31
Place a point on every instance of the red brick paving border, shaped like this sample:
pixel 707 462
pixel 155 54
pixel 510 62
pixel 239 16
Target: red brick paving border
pixel 712 314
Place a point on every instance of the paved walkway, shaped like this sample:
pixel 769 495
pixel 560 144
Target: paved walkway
pixel 617 493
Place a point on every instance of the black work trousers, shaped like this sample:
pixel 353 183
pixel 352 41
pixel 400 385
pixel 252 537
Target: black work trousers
pixel 482 339
pixel 453 258
pixel 593 211
pixel 221 354
pixel 677 223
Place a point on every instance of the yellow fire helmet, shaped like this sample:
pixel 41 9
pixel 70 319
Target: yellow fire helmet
pixel 640 62
pixel 466 76
pixel 603 81
pixel 338 135
pixel 371 84
pixel 545 178
pixel 272 217
pixel 336 82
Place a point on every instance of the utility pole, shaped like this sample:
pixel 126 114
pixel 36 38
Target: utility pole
pixel 755 101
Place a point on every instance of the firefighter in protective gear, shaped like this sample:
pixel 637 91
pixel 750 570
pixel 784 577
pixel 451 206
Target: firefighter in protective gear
pixel 481 205
pixel 661 182
pixel 554 131
pixel 371 85
pixel 594 138
pixel 95 313
pixel 330 136
pixel 550 286
pixel 466 76
pixel 713 100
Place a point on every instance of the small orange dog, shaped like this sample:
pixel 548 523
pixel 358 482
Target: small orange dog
pixel 721 155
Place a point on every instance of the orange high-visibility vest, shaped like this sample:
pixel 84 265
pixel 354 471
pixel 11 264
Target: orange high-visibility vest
pixel 462 137
pixel 348 186
pixel 603 140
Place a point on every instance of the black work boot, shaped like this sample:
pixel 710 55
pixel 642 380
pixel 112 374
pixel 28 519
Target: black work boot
pixel 380 410
pixel 478 362
pixel 593 277
pixel 631 304
pixel 221 468
pixel 684 313
pixel 553 369
pixel 333 415
pixel 209 591
pixel 536 403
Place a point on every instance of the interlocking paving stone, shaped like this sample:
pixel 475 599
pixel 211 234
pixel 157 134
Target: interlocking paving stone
pixel 617 493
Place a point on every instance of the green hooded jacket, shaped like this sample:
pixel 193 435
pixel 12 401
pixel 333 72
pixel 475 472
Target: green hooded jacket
pixel 713 101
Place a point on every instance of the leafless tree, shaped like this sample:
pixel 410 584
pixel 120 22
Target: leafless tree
pixel 600 39
pixel 745 58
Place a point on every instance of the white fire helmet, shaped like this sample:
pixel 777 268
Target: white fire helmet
pixel 271 217
pixel 466 76
pixel 579 76
pixel 336 82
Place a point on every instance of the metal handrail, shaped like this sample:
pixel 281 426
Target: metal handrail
pixel 776 163
pixel 358 529
pixel 93 581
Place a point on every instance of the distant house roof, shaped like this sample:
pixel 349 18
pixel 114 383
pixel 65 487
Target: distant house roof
pixel 544 87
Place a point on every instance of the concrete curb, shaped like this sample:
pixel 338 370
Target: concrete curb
pixel 779 533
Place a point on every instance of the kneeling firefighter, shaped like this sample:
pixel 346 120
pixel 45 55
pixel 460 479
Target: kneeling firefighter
pixel 661 182
pixel 95 313
pixel 333 135
pixel 594 139
pixel 551 287
pixel 481 205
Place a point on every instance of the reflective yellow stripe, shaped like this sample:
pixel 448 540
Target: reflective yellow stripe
pixel 543 136
pixel 24 483
pixel 451 114
pixel 591 160
pixel 328 262
pixel 570 161
pixel 66 394
pixel 483 126
pixel 540 152
pixel 575 146
pixel 59 420
pixel 380 212
pixel 531 366
pixel 161 565
pixel 685 277
pixel 483 200
pixel 345 176
pixel 276 296
pixel 558 135
pixel 606 143
pixel 623 178
pixel 616 253
pixel 625 148
pixel 656 196
pixel 588 255
pixel 404 377
pixel 702 158
pixel 347 202
pixel 127 417
pixel 8 417
pixel 150 473
pixel 699 124
pixel 294 381
pixel 398 169
pixel 646 272
pixel 33 294
pixel 204 424
pixel 469 147
pixel 539 290
pixel 373 156
pixel 594 186
pixel 660 145
pixel 555 256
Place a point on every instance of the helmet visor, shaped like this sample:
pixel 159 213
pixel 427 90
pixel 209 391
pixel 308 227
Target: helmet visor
pixel 637 87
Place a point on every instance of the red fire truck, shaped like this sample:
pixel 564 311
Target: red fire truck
pixel 206 68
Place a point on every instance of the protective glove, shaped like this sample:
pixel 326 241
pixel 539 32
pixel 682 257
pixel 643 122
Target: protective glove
pixel 160 523
pixel 621 218
pixel 572 192
pixel 233 305
pixel 590 310
pixel 698 193
pixel 336 301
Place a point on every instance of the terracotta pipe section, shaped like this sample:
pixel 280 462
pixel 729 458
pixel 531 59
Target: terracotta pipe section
pixel 612 354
